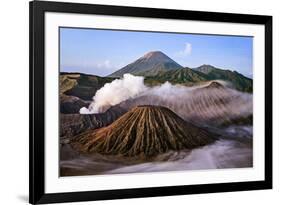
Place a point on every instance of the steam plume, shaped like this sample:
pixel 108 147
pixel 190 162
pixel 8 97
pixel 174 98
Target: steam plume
pixel 115 92
pixel 195 104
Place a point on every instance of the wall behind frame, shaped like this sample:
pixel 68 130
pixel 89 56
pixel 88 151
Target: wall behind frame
pixel 14 41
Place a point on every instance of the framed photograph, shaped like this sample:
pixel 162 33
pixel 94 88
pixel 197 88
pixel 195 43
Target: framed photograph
pixel 140 102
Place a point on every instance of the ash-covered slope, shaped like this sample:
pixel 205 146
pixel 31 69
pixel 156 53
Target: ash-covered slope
pixel 143 131
pixel 213 104
pixel 150 64
pixel 74 124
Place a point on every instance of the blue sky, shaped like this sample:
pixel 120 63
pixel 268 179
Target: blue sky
pixel 101 52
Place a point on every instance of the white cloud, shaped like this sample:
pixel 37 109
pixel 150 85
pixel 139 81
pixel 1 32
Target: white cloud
pixel 105 65
pixel 186 51
pixel 100 67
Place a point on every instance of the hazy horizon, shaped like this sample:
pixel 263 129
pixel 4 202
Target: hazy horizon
pixel 102 52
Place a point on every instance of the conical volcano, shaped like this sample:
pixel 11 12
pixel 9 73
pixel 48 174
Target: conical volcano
pixel 143 131
pixel 150 64
pixel 214 84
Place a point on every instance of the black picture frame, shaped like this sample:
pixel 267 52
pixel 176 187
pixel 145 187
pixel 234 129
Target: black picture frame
pixel 37 194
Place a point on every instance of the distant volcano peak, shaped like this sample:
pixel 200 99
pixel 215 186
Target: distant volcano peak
pixel 150 64
pixel 153 54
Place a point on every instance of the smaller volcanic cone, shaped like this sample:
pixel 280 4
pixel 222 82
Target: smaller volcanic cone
pixel 215 84
pixel 143 131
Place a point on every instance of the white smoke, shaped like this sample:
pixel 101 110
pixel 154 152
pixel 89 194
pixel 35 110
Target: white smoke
pixel 197 104
pixel 128 87
pixel 193 104
pixel 115 92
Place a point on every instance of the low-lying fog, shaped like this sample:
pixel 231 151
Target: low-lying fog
pixel 224 153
